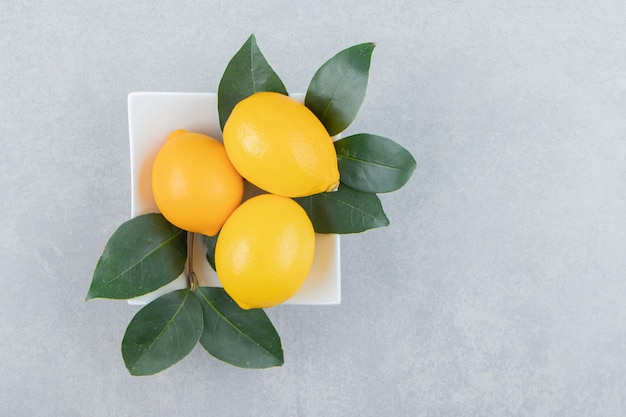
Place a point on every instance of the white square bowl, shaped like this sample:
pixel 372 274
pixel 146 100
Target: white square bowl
pixel 151 117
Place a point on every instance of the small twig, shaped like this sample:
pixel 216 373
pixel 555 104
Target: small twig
pixel 191 275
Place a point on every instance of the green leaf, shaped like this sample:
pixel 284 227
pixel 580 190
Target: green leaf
pixel 210 242
pixel 142 255
pixel 243 338
pixel 373 164
pixel 162 333
pixel 248 72
pixel 337 89
pixel 344 211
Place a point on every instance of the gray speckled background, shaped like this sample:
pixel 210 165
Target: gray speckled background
pixel 498 290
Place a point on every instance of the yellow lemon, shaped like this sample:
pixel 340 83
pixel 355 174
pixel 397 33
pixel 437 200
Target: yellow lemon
pixel 265 251
pixel 280 146
pixel 194 184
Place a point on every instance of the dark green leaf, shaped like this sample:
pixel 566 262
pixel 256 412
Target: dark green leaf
pixel 247 73
pixel 337 89
pixel 143 254
pixel 210 242
pixel 244 338
pixel 344 211
pixel 373 164
pixel 162 333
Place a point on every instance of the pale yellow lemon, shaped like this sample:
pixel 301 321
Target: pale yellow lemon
pixel 264 251
pixel 280 146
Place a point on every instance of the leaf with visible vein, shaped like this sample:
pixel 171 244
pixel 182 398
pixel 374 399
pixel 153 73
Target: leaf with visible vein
pixel 344 211
pixel 243 338
pixel 143 254
pixel 373 163
pixel 162 333
pixel 337 89
pixel 247 72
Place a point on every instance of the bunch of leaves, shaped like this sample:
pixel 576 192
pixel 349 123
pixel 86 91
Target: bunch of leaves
pixel 144 254
pixel 147 252
pixel 369 164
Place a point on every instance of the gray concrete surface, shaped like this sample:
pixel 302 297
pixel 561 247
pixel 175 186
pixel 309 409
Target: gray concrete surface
pixel 498 289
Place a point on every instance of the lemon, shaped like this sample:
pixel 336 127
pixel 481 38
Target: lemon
pixel 194 184
pixel 265 251
pixel 280 146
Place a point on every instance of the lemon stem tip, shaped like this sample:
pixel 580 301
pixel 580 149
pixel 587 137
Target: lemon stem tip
pixel 333 187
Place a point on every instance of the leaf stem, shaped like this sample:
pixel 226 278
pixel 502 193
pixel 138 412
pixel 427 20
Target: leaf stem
pixel 191 275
